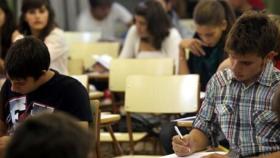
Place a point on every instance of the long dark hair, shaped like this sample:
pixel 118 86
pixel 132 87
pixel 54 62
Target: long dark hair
pixel 213 13
pixel 24 28
pixel 7 29
pixel 157 20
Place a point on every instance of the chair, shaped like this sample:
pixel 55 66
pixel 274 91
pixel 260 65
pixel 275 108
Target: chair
pixel 85 51
pixel 72 37
pixel 160 95
pixel 119 70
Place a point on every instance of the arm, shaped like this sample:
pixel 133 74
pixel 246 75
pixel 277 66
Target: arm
pixel 183 65
pixel 171 47
pixel 123 14
pixel 129 44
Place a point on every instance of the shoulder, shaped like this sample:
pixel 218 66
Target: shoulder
pixel 117 7
pixel 56 35
pixel 275 75
pixel 174 34
pixel 221 78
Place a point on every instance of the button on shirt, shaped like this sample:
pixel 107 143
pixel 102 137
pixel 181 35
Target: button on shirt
pixel 242 113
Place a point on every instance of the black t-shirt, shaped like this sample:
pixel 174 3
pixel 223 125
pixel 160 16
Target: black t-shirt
pixel 206 66
pixel 60 93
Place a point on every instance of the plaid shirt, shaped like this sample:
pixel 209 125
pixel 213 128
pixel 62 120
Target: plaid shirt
pixel 242 113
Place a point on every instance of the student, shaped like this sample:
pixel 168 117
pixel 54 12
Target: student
pixel 213 20
pixel 37 19
pixel 31 87
pixel 238 101
pixel 102 16
pixel 7 27
pixel 50 136
pixel 152 35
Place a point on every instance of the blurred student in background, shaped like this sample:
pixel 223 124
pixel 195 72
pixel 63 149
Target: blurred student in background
pixel 213 20
pixel 7 27
pixel 37 19
pixel 104 16
pixel 152 35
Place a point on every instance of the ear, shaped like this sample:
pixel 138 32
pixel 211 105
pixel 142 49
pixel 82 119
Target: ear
pixel 271 55
pixel 224 25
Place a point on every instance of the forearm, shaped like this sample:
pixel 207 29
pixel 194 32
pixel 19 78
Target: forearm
pixel 271 155
pixel 200 139
pixel 183 67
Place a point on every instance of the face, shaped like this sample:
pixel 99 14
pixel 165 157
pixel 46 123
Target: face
pixel 210 35
pixel 247 68
pixel 101 12
pixel 24 86
pixel 2 17
pixel 141 26
pixel 37 18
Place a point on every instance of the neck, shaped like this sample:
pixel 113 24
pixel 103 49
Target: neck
pixel 46 76
pixel 35 33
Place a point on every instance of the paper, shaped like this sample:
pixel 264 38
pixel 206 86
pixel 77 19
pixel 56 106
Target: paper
pixel 192 118
pixel 195 155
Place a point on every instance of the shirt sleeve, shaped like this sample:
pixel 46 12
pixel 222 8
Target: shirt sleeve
pixel 129 44
pixel 206 118
pixel 56 44
pixel 123 14
pixel 171 46
pixel 76 101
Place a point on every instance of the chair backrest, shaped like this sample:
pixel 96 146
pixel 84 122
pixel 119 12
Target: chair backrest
pixel 121 68
pixel 75 66
pixel 72 37
pixel 86 51
pixel 162 94
pixel 83 79
pixel 95 105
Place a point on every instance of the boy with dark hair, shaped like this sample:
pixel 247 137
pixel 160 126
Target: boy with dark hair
pixel 238 100
pixel 104 16
pixel 31 87
pixel 49 136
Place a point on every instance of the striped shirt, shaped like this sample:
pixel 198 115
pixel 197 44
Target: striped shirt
pixel 242 113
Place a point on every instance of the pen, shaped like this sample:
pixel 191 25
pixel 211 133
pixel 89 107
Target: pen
pixel 180 134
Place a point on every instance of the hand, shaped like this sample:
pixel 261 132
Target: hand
pixel 215 156
pixel 195 46
pixel 182 146
pixel 4 140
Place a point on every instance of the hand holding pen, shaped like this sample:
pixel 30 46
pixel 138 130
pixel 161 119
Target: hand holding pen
pixel 181 144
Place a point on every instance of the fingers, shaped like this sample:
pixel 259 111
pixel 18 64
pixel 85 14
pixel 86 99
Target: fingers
pixel 196 48
pixel 181 146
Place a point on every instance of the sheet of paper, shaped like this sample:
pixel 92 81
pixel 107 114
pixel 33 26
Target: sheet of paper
pixel 185 119
pixel 195 155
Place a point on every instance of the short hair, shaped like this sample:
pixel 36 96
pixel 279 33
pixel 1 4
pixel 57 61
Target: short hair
pixel 48 136
pixel 27 5
pixel 97 3
pixel 213 13
pixel 27 57
pixel 158 23
pixel 253 32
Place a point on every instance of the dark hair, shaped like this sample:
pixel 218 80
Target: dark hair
pixel 27 57
pixel 253 33
pixel 24 28
pixel 213 13
pixel 97 3
pixel 7 29
pixel 158 23
pixel 48 136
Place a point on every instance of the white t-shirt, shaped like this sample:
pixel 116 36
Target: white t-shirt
pixel 169 47
pixel 107 26
pixel 58 50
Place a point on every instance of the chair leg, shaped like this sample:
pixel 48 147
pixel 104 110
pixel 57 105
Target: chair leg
pixel 117 145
